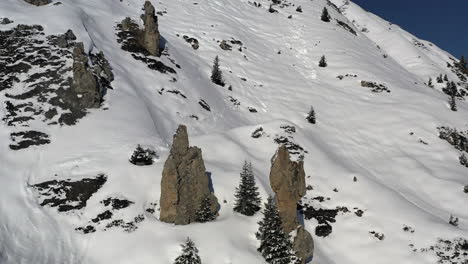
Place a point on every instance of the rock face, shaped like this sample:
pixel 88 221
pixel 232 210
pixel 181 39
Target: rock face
pixel 185 183
pixel 85 84
pixel 38 2
pixel 287 179
pixel 150 34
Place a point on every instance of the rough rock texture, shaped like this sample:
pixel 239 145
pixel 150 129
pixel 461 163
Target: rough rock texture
pixel 287 179
pixel 303 244
pixel 185 183
pixel 150 34
pixel 38 2
pixel 84 82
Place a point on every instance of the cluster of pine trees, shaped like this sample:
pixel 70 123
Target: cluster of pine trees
pixel 275 245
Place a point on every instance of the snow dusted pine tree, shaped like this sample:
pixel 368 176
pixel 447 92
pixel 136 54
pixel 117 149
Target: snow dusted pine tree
pixel 189 254
pixel 323 62
pixel 311 116
pixel 275 245
pixel 205 214
pixel 325 16
pixel 247 196
pixel 142 156
pixel 216 74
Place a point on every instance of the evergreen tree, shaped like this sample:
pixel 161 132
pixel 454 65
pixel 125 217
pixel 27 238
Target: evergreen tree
pixel 429 83
pixel 325 16
pixel 247 196
pixel 323 62
pixel 446 78
pixel 189 254
pixel 463 160
pixel 142 156
pixel 463 63
pixel 440 79
pixel 452 103
pixel 216 74
pixel 311 116
pixel 204 213
pixel 275 245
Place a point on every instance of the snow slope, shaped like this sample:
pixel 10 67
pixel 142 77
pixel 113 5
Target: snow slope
pixel 361 134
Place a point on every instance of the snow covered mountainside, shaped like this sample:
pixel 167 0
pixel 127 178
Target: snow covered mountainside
pixel 382 184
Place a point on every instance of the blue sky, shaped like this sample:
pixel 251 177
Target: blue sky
pixel 444 23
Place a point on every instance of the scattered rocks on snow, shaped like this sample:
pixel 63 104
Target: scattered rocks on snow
pixel 377 235
pixel 448 251
pixel 225 46
pixel 116 203
pixel 375 87
pixel 185 183
pixel 69 195
pixel 192 41
pixel 287 179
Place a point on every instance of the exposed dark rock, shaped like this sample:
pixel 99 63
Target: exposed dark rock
pixel 25 139
pixel 448 251
pixel 117 203
pixel 38 2
pixel 185 183
pixel 45 60
pixel 258 132
pixel 225 46
pixel 65 40
pixel 192 41
pixel 127 226
pixel 375 87
pixel 102 216
pixel 252 110
pixel 346 27
pixel 377 235
pixel 205 105
pixel 69 195
pixel 87 229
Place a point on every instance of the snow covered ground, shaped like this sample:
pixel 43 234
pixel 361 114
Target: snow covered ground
pixel 375 137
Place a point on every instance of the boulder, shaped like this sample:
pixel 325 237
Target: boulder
pixel 185 183
pixel 287 179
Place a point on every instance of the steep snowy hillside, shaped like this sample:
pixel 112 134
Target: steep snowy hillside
pixel 382 185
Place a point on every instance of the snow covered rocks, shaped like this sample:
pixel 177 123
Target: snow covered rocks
pixel 69 195
pixel 141 40
pixel 185 185
pixel 287 179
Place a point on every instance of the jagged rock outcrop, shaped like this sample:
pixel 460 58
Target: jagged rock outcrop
pixel 287 179
pixel 185 183
pixel 38 2
pixel 150 34
pixel 144 41
pixel 85 84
